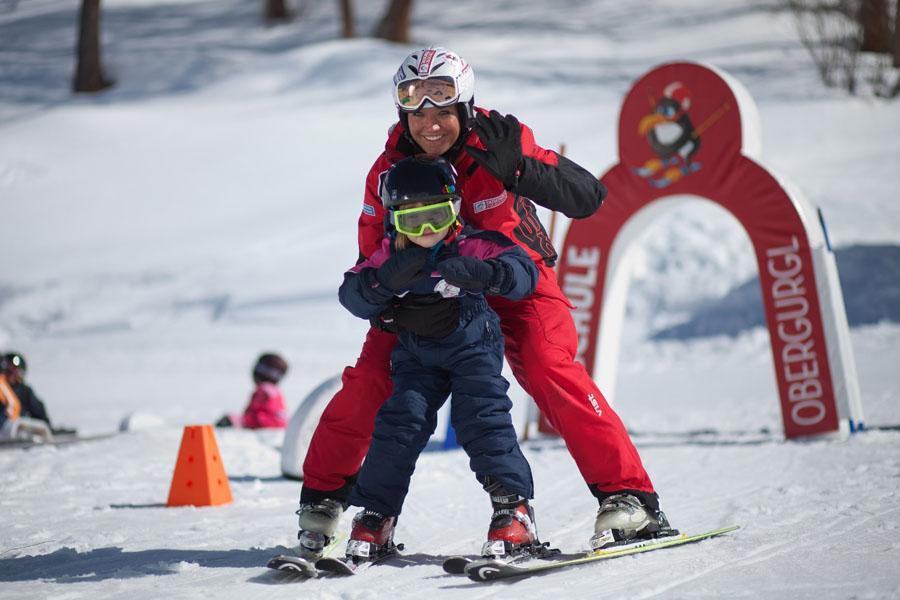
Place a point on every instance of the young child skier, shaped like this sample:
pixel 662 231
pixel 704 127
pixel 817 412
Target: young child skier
pixel 431 274
pixel 266 408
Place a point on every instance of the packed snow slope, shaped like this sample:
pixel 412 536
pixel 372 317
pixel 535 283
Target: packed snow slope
pixel 157 237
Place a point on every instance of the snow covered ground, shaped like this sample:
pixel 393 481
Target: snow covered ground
pixel 158 237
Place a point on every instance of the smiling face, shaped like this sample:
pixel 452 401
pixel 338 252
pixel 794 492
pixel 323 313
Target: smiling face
pixel 435 129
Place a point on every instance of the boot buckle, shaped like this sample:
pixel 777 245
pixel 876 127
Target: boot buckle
pixel 312 540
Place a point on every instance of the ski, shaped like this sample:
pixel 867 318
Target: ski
pixel 490 570
pixel 342 567
pixel 296 565
pixel 61 439
pixel 293 565
pixel 456 565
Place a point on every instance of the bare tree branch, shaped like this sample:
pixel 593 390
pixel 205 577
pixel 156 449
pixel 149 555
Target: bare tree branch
pixel 832 32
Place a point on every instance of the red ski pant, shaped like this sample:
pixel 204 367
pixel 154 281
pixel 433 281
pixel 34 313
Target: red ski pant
pixel 541 342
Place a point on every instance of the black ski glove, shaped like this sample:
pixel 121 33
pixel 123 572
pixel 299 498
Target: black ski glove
pixel 502 136
pixel 402 269
pixel 475 275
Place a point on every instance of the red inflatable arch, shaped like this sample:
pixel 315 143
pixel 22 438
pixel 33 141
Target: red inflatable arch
pixel 691 131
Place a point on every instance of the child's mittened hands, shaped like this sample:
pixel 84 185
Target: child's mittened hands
pixel 467 272
pixel 402 268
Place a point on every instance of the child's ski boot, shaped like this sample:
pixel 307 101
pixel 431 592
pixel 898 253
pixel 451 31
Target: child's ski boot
pixel 512 531
pixel 318 521
pixel 372 537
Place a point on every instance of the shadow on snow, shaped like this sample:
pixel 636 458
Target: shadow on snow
pixel 66 565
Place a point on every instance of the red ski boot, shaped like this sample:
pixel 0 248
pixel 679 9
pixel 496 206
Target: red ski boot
pixel 512 529
pixel 371 537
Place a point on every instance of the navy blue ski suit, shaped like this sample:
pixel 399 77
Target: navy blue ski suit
pixel 464 364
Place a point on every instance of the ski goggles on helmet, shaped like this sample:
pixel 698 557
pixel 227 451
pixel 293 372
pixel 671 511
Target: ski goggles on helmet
pixel 440 91
pixel 434 217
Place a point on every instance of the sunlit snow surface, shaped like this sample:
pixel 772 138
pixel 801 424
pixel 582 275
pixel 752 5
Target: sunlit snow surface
pixel 157 237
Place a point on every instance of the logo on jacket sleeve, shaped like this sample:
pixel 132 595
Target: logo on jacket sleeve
pixel 369 209
pixel 489 203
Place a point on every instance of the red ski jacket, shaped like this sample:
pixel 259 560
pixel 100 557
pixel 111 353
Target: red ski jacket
pixel 546 178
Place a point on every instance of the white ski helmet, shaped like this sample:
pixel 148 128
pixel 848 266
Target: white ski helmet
pixel 435 76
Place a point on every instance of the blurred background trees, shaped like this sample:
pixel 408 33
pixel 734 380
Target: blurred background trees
pixel 852 42
pixel 393 25
pixel 276 11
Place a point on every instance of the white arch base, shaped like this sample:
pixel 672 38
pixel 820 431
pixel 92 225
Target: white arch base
pixel 303 424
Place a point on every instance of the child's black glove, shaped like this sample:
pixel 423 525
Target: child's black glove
pixel 402 269
pixel 502 136
pixel 475 275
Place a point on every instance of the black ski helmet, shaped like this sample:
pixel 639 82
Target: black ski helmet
pixel 421 178
pixel 15 360
pixel 270 367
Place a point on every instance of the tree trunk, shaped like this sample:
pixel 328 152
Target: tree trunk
pixel 347 28
pixel 897 36
pixel 276 10
pixel 876 29
pixel 394 26
pixel 89 75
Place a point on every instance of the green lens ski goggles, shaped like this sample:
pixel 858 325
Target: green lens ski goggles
pixel 414 221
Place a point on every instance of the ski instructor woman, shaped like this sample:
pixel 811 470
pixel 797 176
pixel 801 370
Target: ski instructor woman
pixel 502 171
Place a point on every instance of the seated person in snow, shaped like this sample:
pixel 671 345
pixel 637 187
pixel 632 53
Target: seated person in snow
pixel 429 280
pixel 266 408
pixel 31 406
pixel 14 426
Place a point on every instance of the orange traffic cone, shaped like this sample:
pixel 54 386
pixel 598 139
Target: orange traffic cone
pixel 199 478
